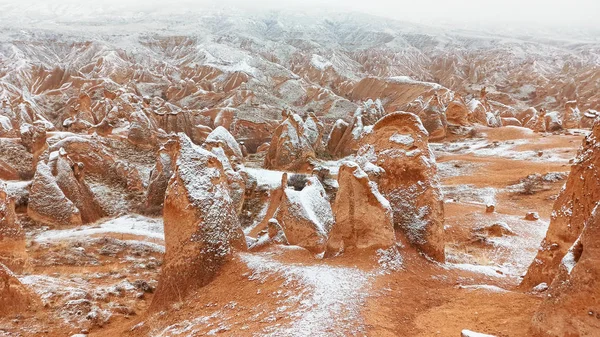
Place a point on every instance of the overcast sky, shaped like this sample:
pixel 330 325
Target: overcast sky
pixel 533 12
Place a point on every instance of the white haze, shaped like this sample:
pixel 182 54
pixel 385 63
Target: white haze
pixel 572 14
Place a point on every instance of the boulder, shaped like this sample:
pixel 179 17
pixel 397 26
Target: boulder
pixel 497 229
pixel 553 121
pixel 511 121
pixel 572 304
pixel 363 217
pixel 526 115
pixel 306 216
pixel 397 156
pixel 47 202
pixel 532 216
pixel 572 209
pixel 457 112
pixel 230 146
pixel 201 225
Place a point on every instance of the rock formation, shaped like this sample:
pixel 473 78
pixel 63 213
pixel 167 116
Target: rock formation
pixel 60 196
pixel 571 118
pixel 159 177
pixel 396 155
pixel 572 305
pixel 201 225
pixel 457 112
pixel 571 211
pixel 432 115
pixel 15 298
pixel 47 202
pixel 344 138
pixel 363 217
pixel 12 236
pixel 305 216
pixel 15 161
pixel 290 148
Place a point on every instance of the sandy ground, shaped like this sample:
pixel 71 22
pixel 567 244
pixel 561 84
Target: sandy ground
pixel 285 291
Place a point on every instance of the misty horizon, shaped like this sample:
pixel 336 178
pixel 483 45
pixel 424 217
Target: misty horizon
pixel 467 14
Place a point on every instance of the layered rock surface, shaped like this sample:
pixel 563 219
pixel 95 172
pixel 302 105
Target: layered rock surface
pixel 571 211
pixel 201 224
pixel 363 217
pixel 397 155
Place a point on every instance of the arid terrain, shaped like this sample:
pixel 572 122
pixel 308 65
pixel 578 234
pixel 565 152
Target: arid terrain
pixel 171 173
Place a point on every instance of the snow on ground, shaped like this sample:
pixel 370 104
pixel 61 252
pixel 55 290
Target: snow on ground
pixel 511 255
pixel 325 294
pixel 264 177
pixel 128 224
pixel 469 333
pixel 470 194
pixel 504 149
pixel 492 271
pixel 487 287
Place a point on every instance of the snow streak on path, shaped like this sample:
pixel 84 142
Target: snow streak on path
pixel 327 302
pixel 128 224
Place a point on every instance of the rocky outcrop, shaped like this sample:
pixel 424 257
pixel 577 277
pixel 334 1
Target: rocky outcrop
pixel 537 122
pixel 335 135
pixel 16 162
pixel 571 118
pixel 15 298
pixel 396 155
pixel 290 148
pixel 159 177
pixel 12 236
pixel 344 139
pixel 230 145
pixel 572 305
pixel 510 121
pixel 59 194
pixel 457 112
pixel 142 132
pixel 363 217
pixel 553 121
pixel 526 115
pixel 47 202
pixel 201 225
pixel 432 115
pixel 571 211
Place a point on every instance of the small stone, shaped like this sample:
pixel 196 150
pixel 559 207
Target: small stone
pixel 532 216
pixel 490 208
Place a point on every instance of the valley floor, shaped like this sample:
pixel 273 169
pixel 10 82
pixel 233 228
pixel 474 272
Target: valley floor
pixel 98 279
